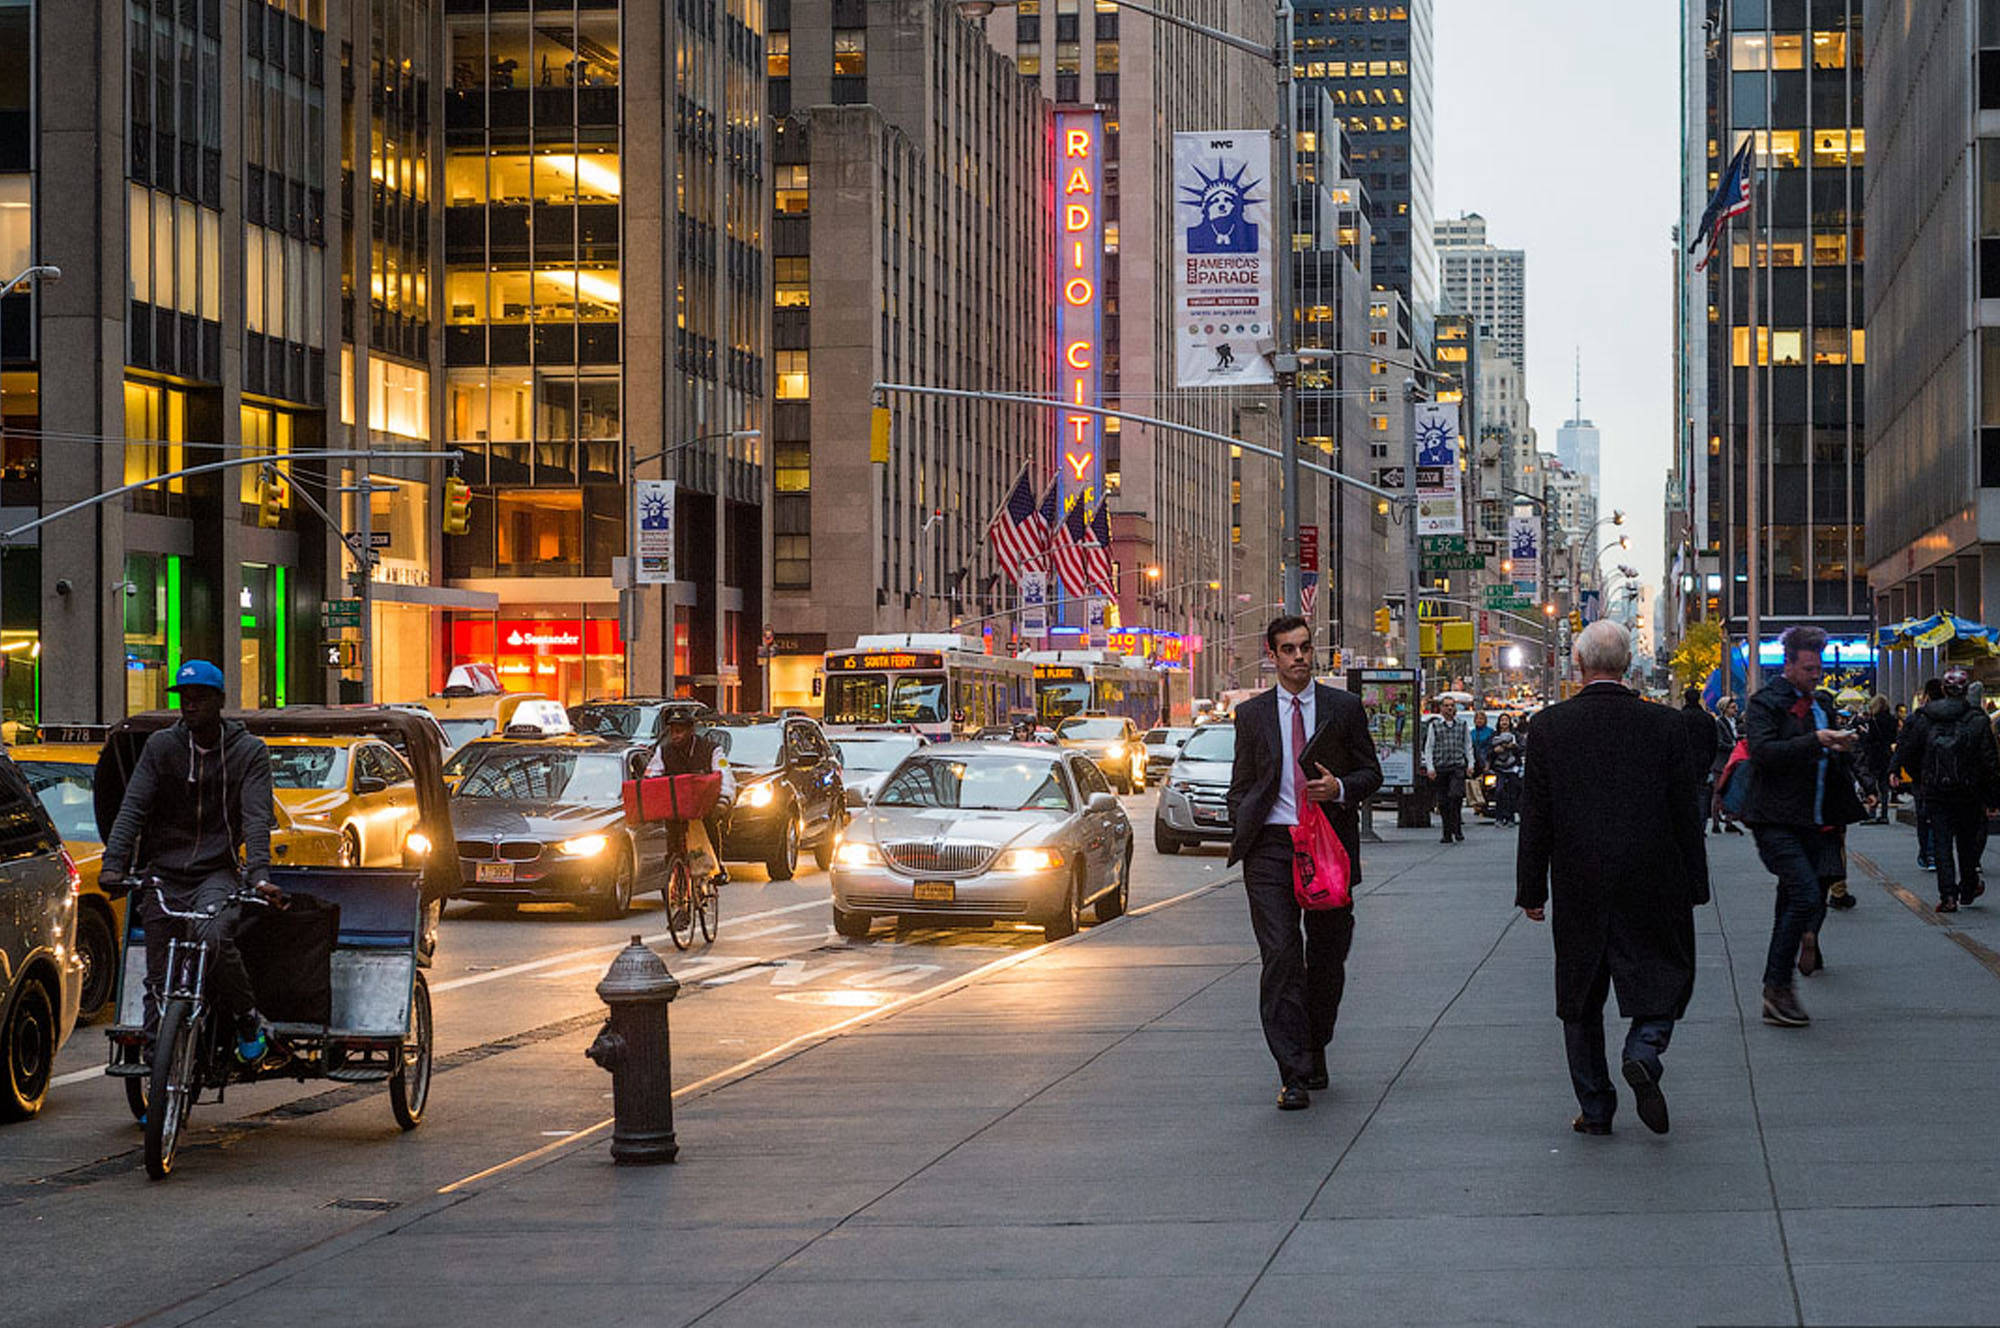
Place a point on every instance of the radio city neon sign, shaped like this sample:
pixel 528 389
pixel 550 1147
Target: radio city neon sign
pixel 1079 302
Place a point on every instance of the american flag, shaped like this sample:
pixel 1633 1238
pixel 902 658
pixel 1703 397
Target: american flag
pixel 1018 531
pixel 1308 591
pixel 1732 197
pixel 1069 548
pixel 1098 552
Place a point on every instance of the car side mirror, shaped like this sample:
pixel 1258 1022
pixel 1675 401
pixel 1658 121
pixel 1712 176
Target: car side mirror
pixel 1103 802
pixel 370 784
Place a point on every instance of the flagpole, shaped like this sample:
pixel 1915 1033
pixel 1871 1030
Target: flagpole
pixel 1753 456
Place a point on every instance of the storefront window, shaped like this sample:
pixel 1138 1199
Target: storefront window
pixel 155 430
pixel 152 615
pixel 539 532
pixel 563 655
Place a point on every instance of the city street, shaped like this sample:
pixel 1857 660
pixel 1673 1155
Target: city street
pixel 1006 1132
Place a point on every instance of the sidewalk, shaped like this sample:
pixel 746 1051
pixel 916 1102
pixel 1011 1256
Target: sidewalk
pixel 1089 1137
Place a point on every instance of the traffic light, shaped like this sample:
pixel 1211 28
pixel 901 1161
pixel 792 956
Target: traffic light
pixel 1382 620
pixel 457 506
pixel 341 654
pixel 878 435
pixel 270 500
pixel 1576 620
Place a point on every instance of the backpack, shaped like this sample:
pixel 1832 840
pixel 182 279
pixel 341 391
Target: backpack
pixel 1732 786
pixel 1949 763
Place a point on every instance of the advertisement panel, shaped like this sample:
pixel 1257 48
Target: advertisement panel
pixel 653 519
pixel 1223 263
pixel 1079 295
pixel 1439 510
pixel 1389 697
pixel 1034 602
pixel 1524 545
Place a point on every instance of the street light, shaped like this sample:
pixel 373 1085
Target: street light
pixel 629 595
pixel 48 272
pixel 1285 355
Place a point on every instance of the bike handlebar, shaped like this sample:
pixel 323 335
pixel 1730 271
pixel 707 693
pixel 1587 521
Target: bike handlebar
pixel 245 895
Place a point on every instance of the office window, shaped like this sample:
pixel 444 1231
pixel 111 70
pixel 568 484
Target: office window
pixel 1788 50
pixel 1829 345
pixel 266 432
pixel 1838 147
pixel 850 51
pixel 155 431
pixel 792 191
pixel 793 375
pixel 791 282
pixel 778 55
pixel 1829 248
pixel 1829 50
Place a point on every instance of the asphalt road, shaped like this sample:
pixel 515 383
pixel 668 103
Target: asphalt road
pixel 279 1167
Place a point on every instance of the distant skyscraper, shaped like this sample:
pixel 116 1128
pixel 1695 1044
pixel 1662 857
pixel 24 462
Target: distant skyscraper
pixel 1487 283
pixel 1576 441
pixel 1375 62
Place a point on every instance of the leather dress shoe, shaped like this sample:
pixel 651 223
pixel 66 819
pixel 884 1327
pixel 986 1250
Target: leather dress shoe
pixel 1651 1102
pixel 1316 1080
pixel 1585 1125
pixel 1293 1097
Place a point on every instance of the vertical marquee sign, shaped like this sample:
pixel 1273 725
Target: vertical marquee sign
pixel 1079 298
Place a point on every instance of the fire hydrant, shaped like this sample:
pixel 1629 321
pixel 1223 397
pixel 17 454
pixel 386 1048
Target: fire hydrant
pixel 633 1046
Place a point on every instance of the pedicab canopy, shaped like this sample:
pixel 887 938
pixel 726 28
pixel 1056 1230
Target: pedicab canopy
pixel 408 733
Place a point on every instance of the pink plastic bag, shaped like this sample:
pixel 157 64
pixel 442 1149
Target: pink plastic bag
pixel 1321 873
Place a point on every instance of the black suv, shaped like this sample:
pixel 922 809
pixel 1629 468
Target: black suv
pixel 788 790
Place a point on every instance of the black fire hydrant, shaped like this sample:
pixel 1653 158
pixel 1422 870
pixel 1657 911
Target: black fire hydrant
pixel 633 1046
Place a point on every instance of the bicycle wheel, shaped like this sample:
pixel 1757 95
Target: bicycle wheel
pixel 711 908
pixel 172 1092
pixel 680 901
pixel 410 1085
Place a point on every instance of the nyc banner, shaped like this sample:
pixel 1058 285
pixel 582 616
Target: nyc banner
pixel 1223 263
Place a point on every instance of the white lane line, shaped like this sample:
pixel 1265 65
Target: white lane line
pixel 77 1076
pixel 536 965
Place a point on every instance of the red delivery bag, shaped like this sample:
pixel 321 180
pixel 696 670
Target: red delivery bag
pixel 671 797
pixel 1321 873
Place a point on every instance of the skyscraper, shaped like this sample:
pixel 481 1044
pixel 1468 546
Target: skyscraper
pixel 1489 284
pixel 1375 63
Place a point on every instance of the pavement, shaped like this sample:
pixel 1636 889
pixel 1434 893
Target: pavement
pixel 1084 1133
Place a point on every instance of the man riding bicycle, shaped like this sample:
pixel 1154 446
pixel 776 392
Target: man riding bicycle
pixel 200 793
pixel 683 752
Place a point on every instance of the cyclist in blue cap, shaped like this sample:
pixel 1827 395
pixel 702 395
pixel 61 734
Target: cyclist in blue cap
pixel 200 793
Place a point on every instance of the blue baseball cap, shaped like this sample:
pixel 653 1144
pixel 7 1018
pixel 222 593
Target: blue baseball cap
pixel 198 673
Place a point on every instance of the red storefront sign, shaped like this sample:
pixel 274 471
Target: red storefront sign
pixel 526 651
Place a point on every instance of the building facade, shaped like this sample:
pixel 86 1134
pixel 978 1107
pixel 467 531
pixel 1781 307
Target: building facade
pixel 1787 75
pixel 1489 283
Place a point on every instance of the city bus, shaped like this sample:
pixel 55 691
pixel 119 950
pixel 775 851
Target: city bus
pixel 1073 682
pixel 941 684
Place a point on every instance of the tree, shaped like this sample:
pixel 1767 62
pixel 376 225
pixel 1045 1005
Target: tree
pixel 1698 654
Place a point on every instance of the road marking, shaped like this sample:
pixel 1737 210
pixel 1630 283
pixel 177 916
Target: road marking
pixel 1987 958
pixel 610 947
pixel 745 1066
pixel 77 1076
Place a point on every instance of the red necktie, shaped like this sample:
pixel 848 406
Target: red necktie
pixel 1299 775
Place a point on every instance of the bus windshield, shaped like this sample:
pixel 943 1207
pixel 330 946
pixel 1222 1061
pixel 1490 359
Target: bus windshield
pixel 1059 699
pixel 918 699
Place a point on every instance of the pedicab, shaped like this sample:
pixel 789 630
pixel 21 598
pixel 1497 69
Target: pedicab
pixel 342 967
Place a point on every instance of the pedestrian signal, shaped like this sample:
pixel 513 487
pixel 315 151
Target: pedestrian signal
pixel 457 506
pixel 270 500
pixel 1382 621
pixel 341 654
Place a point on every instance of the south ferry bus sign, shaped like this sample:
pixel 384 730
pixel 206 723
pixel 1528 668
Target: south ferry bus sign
pixel 886 659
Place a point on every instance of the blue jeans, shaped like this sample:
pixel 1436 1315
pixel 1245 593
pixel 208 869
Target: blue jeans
pixel 1583 1044
pixel 1806 860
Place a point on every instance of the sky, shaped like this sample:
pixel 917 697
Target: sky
pixel 1559 122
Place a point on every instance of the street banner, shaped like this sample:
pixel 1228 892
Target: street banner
pixel 1308 548
pixel 1034 602
pixel 1099 637
pixel 1524 540
pixel 1308 592
pixel 1591 602
pixel 653 516
pixel 1439 509
pixel 1223 263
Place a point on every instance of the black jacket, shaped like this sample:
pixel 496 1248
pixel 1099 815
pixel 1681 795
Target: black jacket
pixel 1610 817
pixel 1703 738
pixel 1878 741
pixel 193 820
pixel 1952 712
pixel 1260 756
pixel 1784 761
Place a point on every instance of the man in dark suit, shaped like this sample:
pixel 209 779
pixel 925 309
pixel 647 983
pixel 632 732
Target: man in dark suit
pixel 1299 994
pixel 1610 813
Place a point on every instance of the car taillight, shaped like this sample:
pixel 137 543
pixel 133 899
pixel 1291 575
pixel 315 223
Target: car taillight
pixel 75 876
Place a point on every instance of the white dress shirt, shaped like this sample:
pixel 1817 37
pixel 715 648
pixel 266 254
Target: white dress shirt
pixel 1285 811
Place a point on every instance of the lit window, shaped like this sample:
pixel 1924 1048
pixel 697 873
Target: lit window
pixel 1788 51
pixel 1749 51
pixel 791 280
pixel 792 191
pixel 850 51
pixel 778 55
pixel 1829 50
pixel 794 376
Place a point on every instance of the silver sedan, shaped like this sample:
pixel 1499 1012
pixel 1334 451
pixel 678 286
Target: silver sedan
pixel 984 831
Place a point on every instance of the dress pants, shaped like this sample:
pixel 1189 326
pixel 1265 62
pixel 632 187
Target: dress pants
pixel 1806 860
pixel 1583 1043
pixel 229 979
pixel 1298 996
pixel 1958 841
pixel 1450 799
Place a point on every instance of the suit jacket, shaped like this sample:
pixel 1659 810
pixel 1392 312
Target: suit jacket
pixel 1609 814
pixel 1260 757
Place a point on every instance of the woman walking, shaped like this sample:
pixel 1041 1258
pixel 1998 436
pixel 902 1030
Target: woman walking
pixel 1503 758
pixel 1878 746
pixel 1727 730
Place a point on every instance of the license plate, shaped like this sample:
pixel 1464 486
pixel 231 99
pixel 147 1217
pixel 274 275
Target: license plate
pixel 935 892
pixel 500 872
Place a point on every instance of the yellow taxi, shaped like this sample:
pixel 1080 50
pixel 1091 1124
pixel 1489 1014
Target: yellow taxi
pixel 358 788
pixel 64 775
pixel 1112 742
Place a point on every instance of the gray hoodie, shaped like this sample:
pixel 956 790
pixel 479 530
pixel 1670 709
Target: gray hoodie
pixel 195 808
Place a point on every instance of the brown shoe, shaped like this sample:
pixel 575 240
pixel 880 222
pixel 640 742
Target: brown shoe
pixel 1781 1007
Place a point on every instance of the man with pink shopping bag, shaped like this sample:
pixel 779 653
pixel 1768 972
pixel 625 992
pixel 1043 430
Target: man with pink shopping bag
pixel 1304 951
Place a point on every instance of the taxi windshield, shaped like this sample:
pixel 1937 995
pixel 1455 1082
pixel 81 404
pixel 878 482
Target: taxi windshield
pixel 64 789
pixel 610 719
pixel 308 767
pixel 979 783
pixel 592 779
pixel 1091 730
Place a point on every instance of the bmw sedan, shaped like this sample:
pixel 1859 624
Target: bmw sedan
pixel 543 821
pixel 1194 802
pixel 982 831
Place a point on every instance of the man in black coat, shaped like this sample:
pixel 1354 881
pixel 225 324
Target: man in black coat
pixel 1703 736
pixel 1299 992
pixel 1610 813
pixel 1948 747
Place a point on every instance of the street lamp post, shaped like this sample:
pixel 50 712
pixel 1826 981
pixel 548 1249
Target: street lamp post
pixel 629 595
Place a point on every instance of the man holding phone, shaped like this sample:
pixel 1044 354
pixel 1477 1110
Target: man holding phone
pixel 1801 801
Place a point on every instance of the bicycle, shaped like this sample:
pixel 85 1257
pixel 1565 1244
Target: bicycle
pixel 688 899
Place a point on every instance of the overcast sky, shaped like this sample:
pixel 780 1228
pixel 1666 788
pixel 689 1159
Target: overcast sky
pixel 1559 122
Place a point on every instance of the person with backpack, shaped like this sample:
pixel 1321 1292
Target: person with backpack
pixel 1948 748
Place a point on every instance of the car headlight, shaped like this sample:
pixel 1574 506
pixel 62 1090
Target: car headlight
pixel 1028 860
pixel 417 843
pixel 759 795
pixel 853 853
pixel 583 846
pixel 313 818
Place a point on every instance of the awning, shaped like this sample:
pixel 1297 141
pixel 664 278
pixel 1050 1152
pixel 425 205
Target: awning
pixel 1936 630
